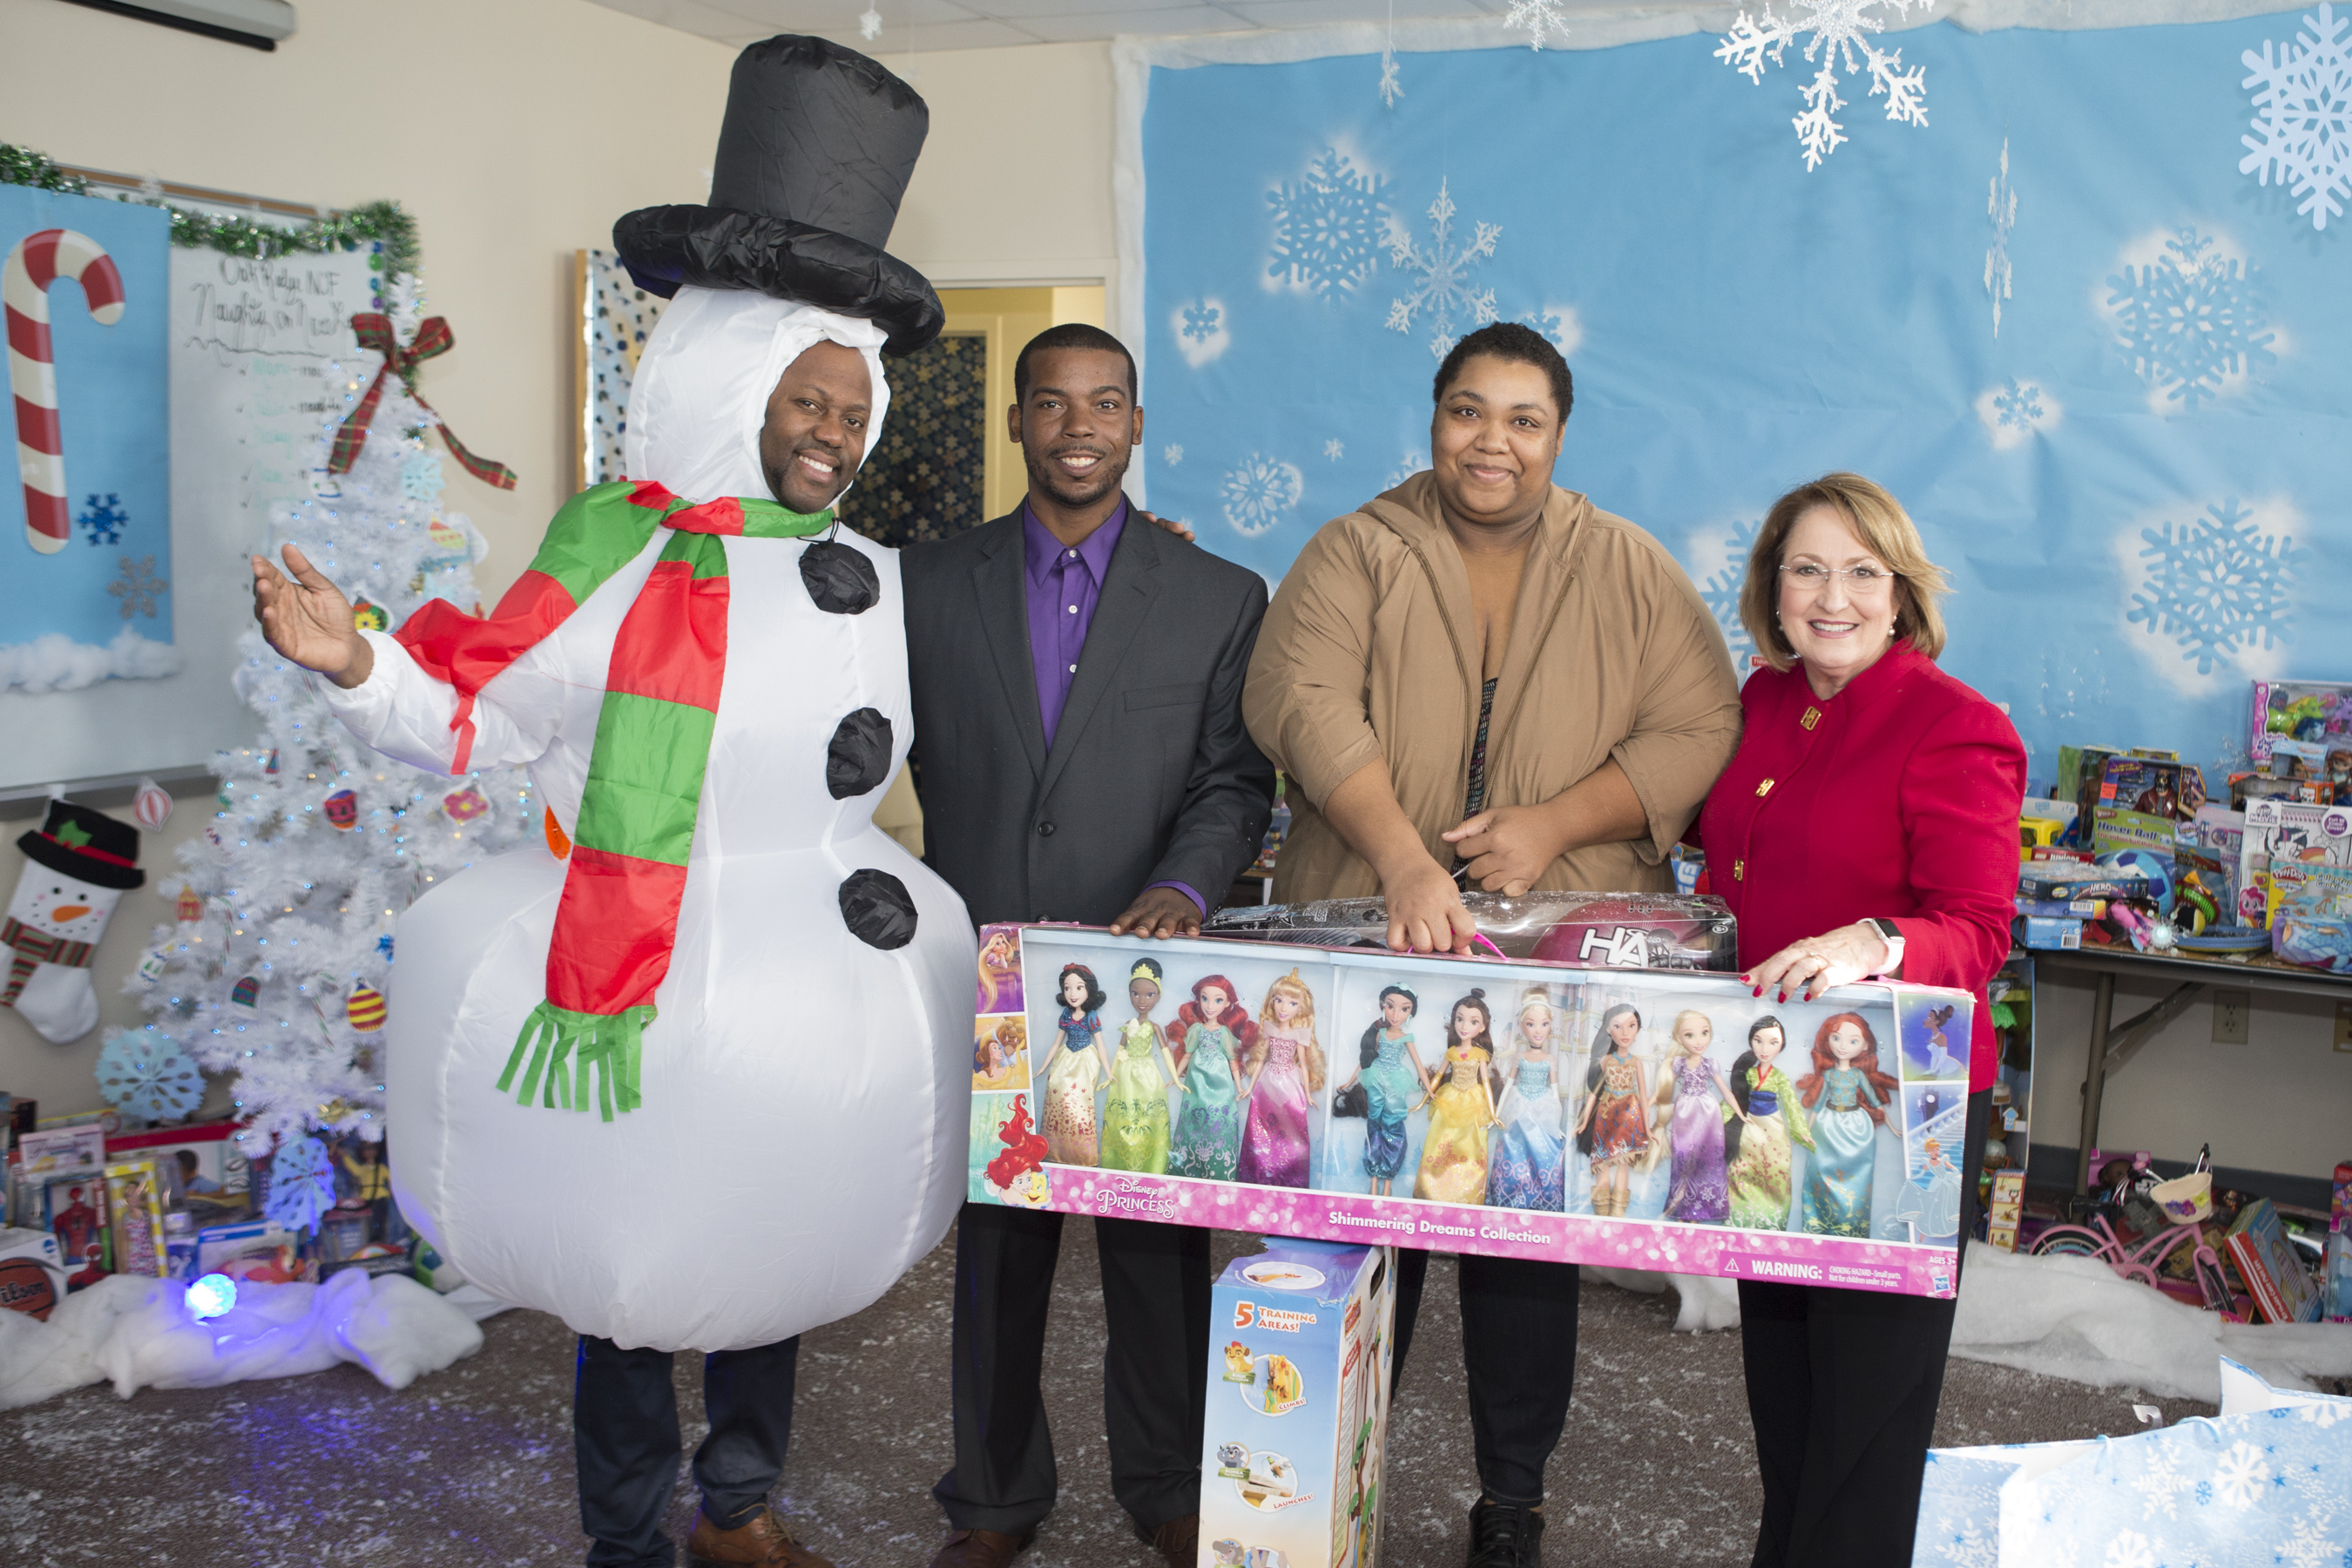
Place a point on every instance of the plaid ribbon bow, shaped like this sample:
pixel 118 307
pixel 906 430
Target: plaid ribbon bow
pixel 433 337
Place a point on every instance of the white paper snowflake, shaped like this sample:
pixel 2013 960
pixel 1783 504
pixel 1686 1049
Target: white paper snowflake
pixel 137 586
pixel 302 1185
pixel 1440 275
pixel 1839 30
pixel 2218 584
pixel 1720 591
pixel 2001 211
pixel 1410 463
pixel 1538 16
pixel 1334 449
pixel 2302 115
pixel 1171 453
pixel 2238 1475
pixel 1391 88
pixel 2190 320
pixel 2161 1486
pixel 2129 1549
pixel 869 24
pixel 142 1071
pixel 1329 224
pixel 1260 492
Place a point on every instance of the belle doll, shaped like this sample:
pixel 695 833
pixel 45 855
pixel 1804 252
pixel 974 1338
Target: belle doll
pixel 1461 1110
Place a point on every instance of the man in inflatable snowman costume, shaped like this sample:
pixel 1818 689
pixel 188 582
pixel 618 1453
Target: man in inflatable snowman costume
pixel 702 1083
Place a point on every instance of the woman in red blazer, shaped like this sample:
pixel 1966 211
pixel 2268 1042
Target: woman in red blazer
pixel 1867 826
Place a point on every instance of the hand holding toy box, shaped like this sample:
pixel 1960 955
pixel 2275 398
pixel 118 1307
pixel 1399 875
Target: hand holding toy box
pixel 1655 1119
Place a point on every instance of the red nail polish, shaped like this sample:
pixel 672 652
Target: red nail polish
pixel 1784 996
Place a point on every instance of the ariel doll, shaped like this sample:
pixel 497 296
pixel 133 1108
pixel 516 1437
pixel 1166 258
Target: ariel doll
pixel 1612 1128
pixel 1215 1031
pixel 1529 1169
pixel 1281 1074
pixel 1698 1190
pixel 1389 1072
pixel 1846 1095
pixel 1760 1124
pixel 1461 1110
pixel 1076 1068
pixel 1135 1114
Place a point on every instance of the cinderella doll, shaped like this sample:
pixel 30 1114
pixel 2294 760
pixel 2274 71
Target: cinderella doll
pixel 1529 1168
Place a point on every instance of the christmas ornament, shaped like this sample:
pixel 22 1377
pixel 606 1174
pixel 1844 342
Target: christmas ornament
pixel 188 908
pixel 142 1073
pixel 432 337
pixel 37 260
pixel 446 539
pixel 302 1185
pixel 150 807
pixel 364 1010
pixel 342 808
pixel 369 617
pixel 153 965
pixel 246 991
pixel 78 865
pixel 559 843
pixel 464 804
pixel 269 768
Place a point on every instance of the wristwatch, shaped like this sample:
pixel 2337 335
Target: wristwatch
pixel 1892 937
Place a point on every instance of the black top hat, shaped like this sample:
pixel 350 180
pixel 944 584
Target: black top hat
pixel 88 846
pixel 813 157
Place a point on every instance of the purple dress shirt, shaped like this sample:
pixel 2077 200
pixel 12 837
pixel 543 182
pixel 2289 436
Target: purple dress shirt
pixel 1064 587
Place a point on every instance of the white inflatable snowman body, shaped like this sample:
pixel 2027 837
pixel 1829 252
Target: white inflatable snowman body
pixel 801 1138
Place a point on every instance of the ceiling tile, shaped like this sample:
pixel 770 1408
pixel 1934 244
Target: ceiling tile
pixel 976 34
pixel 1106 8
pixel 1164 19
pixel 1315 13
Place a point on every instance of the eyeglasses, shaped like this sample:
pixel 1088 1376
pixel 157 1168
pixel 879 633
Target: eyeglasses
pixel 1858 579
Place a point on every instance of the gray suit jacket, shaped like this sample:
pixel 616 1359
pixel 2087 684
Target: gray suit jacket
pixel 1152 776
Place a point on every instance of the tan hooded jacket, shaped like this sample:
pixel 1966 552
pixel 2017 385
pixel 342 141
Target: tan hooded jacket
pixel 1369 651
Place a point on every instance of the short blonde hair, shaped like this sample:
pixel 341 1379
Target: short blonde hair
pixel 1886 530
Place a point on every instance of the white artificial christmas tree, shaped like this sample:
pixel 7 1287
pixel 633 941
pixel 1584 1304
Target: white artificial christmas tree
pixel 276 965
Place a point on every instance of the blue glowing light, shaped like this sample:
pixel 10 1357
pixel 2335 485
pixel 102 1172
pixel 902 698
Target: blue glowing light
pixel 211 1295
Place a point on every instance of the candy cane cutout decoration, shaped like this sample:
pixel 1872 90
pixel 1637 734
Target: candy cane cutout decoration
pixel 39 260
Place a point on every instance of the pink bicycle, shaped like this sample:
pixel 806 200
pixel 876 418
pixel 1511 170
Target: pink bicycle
pixel 2183 1201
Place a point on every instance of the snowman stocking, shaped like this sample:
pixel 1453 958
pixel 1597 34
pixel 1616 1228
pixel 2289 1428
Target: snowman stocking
pixel 77 868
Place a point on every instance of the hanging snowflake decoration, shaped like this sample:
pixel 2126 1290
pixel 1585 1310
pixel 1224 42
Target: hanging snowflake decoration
pixel 2190 320
pixel 869 24
pixel 137 586
pixel 1440 275
pixel 104 520
pixel 1328 226
pixel 1171 453
pixel 1334 449
pixel 1391 88
pixel 1720 591
pixel 2001 211
pixel 1839 30
pixel 142 1073
pixel 1260 493
pixel 2218 584
pixel 1538 16
pixel 2302 115
pixel 302 1185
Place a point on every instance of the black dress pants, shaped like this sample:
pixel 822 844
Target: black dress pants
pixel 1518 1346
pixel 1155 1282
pixel 1842 1389
pixel 624 1431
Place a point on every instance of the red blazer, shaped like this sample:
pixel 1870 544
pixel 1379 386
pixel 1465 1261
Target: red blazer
pixel 1897 798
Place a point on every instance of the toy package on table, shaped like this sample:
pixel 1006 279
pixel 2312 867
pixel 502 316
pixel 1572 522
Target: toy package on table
pixel 1300 1355
pixel 134 1202
pixel 1643 1119
pixel 2279 830
pixel 2314 711
pixel 2310 915
pixel 1652 931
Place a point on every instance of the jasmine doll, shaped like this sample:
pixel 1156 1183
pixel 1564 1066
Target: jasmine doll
pixel 1389 1072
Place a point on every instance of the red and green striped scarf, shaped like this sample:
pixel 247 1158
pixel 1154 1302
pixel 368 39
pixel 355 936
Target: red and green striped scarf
pixel 617 920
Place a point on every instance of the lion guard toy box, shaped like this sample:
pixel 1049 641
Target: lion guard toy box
pixel 1297 1415
pixel 1650 1119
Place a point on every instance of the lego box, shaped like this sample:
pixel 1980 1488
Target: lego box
pixel 1646 1118
pixel 1299 1354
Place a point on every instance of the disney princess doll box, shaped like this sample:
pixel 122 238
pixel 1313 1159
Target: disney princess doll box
pixel 1297 1415
pixel 1644 1118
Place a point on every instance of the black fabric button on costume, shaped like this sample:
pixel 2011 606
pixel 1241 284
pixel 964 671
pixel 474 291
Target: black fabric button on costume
pixel 859 757
pixel 840 579
pixel 877 909
pixel 1045 830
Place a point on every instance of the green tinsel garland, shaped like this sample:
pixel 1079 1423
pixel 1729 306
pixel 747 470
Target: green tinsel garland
pixel 376 223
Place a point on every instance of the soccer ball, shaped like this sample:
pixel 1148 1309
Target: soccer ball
pixel 2146 863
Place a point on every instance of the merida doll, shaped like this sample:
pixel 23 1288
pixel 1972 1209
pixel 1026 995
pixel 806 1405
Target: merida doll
pixel 1282 1073
pixel 1764 1120
pixel 1613 1129
pixel 1390 1070
pixel 1461 1110
pixel 1215 1032
pixel 1528 1167
pixel 1846 1095
pixel 1698 1190
pixel 1076 1068
pixel 1135 1115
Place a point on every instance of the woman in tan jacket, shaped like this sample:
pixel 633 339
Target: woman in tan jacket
pixel 1483 679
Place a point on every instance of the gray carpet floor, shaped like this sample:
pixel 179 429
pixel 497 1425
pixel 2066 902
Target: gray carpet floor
pixel 473 1466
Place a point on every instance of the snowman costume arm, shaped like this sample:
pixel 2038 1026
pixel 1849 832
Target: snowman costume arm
pixel 410 716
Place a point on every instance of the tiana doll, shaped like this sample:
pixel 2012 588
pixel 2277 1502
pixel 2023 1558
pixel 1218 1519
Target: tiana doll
pixel 1135 1117
pixel 1215 1032
pixel 1390 1070
pixel 1281 1074
pixel 1697 1193
pixel 1763 1120
pixel 1528 1166
pixel 1845 1095
pixel 1076 1068
pixel 1612 1128
pixel 1461 1110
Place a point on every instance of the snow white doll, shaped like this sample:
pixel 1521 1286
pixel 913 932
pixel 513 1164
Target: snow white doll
pixel 1389 1068
pixel 1760 1124
pixel 1461 1110
pixel 1698 1191
pixel 1845 1095
pixel 1216 1031
pixel 1613 1129
pixel 1282 1073
pixel 1135 1115
pixel 1076 1068
pixel 1528 1166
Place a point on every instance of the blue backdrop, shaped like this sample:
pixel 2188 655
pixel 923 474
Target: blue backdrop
pixel 2137 481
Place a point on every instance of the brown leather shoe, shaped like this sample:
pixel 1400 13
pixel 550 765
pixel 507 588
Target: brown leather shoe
pixel 762 1541
pixel 1178 1541
pixel 981 1549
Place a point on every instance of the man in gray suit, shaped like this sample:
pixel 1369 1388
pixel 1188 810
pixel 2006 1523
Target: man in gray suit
pixel 1080 755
